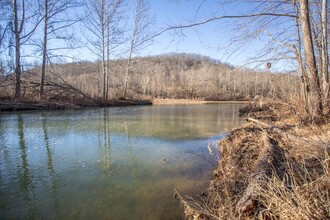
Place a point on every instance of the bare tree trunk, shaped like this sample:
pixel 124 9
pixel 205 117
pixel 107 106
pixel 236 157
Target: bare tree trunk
pixel 128 68
pixel 108 58
pixel 310 59
pixel 140 36
pixel 104 77
pixel 325 58
pixel 126 77
pixel 44 53
pixel 103 48
pixel 325 55
pixel 304 77
pixel 17 33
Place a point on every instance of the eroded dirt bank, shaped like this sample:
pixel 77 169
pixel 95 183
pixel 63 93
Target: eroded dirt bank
pixel 28 105
pixel 274 167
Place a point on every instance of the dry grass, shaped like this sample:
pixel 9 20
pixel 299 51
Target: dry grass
pixel 302 194
pixel 294 183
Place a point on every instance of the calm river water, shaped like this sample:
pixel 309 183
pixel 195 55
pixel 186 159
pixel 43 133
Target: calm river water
pixel 107 163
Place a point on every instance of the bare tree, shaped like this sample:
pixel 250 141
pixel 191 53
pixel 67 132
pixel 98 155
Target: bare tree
pixel 55 21
pixel 18 29
pixel 310 58
pixel 325 53
pixel 104 20
pixel 140 36
pixel 280 21
pixel 22 33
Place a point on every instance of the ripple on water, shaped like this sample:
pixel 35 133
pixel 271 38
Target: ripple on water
pixel 107 163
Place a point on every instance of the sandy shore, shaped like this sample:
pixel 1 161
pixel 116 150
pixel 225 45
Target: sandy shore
pixel 190 102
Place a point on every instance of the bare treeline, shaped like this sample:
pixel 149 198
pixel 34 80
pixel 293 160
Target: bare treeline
pixel 292 32
pixel 180 76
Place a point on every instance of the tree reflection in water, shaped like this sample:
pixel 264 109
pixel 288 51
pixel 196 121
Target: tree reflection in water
pixel 50 167
pixel 24 172
pixel 122 176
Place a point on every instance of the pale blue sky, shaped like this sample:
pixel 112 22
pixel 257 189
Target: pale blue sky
pixel 211 39
pixel 202 40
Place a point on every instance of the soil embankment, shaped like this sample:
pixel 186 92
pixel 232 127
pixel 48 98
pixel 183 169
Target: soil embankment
pixel 274 167
pixel 28 105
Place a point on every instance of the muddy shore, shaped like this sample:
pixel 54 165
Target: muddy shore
pixel 28 105
pixel 276 166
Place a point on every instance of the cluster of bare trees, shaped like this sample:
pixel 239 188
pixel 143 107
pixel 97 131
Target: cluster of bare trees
pixel 194 77
pixel 24 20
pixel 295 31
pixel 180 76
pixel 43 30
pixel 315 72
pixel 104 25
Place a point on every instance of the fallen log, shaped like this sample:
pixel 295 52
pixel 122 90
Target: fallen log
pixel 263 169
pixel 304 141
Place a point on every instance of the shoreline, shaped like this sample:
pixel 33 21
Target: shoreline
pixel 273 167
pixel 193 102
pixel 28 105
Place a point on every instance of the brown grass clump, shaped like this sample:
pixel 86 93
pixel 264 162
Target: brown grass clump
pixel 266 173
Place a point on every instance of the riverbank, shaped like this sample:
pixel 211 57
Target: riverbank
pixel 30 105
pixel 274 167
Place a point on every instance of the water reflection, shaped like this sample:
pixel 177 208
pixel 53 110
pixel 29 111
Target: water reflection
pixel 106 142
pixel 130 151
pixel 24 172
pixel 50 167
pixel 111 163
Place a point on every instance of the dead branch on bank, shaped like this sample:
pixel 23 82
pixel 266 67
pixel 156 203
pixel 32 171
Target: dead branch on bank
pixel 300 140
pixel 263 168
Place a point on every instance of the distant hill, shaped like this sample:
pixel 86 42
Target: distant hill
pixel 179 76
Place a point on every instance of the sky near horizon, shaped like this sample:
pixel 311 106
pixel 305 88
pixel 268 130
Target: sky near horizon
pixel 211 39
pixel 204 40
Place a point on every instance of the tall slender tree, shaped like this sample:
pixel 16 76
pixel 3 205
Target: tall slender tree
pixel 325 53
pixel 23 15
pixel 55 21
pixel 104 22
pixel 140 35
pixel 18 29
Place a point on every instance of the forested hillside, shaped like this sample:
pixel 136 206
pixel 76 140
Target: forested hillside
pixel 179 76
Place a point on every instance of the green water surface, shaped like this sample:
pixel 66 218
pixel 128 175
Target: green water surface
pixel 108 163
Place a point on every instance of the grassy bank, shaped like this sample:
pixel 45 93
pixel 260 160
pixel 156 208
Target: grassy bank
pixel 274 167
